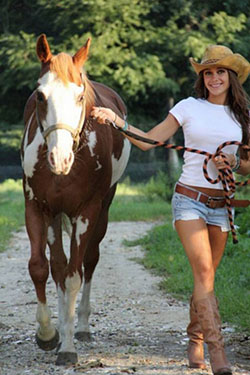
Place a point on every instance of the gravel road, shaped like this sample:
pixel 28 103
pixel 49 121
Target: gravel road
pixel 136 328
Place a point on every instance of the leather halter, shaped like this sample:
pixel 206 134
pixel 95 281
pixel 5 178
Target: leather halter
pixel 75 133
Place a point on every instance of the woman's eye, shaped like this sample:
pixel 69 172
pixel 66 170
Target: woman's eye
pixel 221 71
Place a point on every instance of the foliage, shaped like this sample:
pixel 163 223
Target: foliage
pixel 139 47
pixel 10 141
pixel 160 186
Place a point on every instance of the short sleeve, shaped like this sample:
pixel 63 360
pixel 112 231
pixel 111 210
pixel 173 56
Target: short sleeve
pixel 179 111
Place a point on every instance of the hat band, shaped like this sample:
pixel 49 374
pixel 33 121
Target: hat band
pixel 211 61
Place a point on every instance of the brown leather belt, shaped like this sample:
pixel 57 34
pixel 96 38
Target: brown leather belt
pixel 211 202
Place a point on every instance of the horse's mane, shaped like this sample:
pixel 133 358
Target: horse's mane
pixel 62 64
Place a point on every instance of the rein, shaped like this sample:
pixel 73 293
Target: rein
pixel 225 175
pixel 75 133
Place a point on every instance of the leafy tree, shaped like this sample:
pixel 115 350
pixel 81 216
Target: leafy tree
pixel 139 47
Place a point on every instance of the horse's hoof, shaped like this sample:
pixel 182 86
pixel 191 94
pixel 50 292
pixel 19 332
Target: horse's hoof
pixel 83 336
pixel 66 358
pixel 48 345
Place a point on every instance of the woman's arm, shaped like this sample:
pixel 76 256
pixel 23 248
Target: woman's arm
pixel 161 132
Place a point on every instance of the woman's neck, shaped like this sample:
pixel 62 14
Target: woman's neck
pixel 220 100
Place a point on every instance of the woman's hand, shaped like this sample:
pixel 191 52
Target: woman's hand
pixel 219 160
pixel 102 114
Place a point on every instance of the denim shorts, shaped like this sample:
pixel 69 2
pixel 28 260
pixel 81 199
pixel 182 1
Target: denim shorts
pixel 185 208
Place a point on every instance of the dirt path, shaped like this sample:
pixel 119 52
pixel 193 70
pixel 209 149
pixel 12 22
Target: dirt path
pixel 136 328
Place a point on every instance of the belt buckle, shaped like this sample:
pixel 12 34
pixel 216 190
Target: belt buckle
pixel 210 203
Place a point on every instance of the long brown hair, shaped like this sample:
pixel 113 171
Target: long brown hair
pixel 237 100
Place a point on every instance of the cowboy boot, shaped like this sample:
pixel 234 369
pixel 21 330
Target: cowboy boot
pixel 209 318
pixel 196 345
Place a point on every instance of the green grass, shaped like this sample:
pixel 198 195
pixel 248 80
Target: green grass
pixel 128 207
pixel 164 254
pixel 11 210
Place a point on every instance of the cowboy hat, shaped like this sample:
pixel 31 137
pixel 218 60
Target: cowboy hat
pixel 216 55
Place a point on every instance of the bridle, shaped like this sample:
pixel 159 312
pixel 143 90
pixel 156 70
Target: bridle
pixel 75 133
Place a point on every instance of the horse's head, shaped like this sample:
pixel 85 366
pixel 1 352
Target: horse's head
pixel 63 97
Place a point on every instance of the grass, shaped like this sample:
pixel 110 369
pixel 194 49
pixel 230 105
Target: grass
pixel 11 210
pixel 163 252
pixel 130 204
pixel 165 256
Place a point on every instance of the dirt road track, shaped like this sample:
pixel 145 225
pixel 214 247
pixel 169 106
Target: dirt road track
pixel 136 328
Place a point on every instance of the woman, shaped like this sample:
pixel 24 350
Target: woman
pixel 218 114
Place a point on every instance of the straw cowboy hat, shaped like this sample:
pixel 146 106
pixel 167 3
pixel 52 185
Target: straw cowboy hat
pixel 216 55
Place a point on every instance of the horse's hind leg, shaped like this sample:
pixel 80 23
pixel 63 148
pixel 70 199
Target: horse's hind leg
pixel 46 335
pixel 90 261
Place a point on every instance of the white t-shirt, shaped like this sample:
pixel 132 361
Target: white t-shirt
pixel 205 127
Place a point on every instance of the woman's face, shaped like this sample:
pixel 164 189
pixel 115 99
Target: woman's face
pixel 217 82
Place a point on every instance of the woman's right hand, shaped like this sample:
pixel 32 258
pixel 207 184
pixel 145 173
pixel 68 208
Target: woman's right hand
pixel 102 114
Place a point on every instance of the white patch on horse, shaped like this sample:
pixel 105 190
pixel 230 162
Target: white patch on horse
pixel 119 165
pixel 46 331
pixel 99 166
pixel 31 154
pixel 26 137
pixel 63 107
pixel 84 309
pixel 81 228
pixel 66 302
pixel 92 142
pixel 28 189
pixel 51 235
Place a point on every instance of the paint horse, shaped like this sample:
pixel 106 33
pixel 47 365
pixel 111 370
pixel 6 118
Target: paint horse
pixel 71 166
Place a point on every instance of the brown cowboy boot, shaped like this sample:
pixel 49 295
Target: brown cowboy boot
pixel 196 345
pixel 209 318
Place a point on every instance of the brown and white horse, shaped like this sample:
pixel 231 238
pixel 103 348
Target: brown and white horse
pixel 71 166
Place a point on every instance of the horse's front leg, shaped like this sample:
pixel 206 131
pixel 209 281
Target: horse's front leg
pixel 46 335
pixel 90 261
pixel 70 284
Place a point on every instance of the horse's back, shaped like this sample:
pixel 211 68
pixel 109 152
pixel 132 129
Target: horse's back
pixel 109 98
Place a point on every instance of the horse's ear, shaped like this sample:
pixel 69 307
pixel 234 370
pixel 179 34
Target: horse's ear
pixel 42 49
pixel 82 54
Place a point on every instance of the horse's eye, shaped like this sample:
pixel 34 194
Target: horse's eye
pixel 80 98
pixel 40 97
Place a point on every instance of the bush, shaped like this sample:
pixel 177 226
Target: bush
pixel 160 186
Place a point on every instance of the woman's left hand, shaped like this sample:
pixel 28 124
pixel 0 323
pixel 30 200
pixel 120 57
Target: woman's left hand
pixel 103 114
pixel 219 160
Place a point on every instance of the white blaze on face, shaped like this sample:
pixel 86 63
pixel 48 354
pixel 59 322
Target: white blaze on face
pixel 63 107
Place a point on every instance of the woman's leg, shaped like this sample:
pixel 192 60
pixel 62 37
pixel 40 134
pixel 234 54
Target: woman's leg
pixel 194 236
pixel 204 246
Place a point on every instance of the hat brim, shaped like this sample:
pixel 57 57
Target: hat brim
pixel 234 62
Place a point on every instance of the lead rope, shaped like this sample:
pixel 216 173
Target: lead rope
pixel 225 175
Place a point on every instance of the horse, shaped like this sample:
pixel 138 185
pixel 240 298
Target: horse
pixel 71 166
